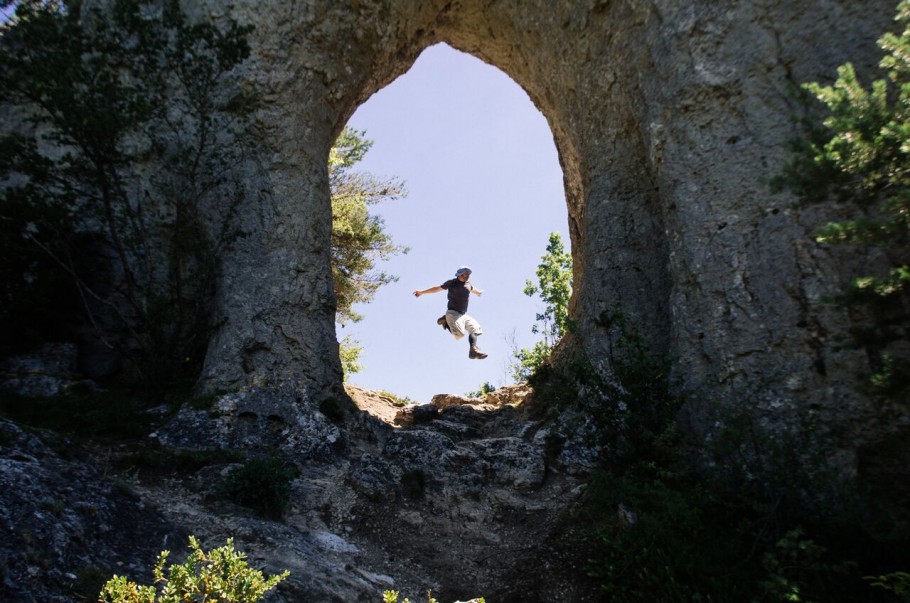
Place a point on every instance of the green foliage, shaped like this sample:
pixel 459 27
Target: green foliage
pixel 485 388
pixel 896 582
pixel 123 179
pixel 554 278
pixel 219 575
pixel 529 360
pixel 395 398
pixel 554 286
pixel 262 484
pixel 359 238
pixel 857 156
pixel 349 351
pixel 794 561
pixel 391 596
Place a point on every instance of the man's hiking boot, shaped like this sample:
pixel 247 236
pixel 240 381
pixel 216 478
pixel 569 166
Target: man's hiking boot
pixel 441 321
pixel 475 353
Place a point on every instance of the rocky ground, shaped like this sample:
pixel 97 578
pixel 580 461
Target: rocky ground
pixel 458 496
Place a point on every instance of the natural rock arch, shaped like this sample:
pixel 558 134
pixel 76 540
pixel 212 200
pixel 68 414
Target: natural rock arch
pixel 666 116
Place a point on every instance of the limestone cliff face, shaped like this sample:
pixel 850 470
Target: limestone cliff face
pixel 668 117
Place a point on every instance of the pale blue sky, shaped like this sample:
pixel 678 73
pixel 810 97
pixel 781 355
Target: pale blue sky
pixel 485 190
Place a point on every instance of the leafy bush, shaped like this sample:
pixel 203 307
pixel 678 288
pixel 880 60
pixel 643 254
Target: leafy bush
pixel 657 541
pixel 391 596
pixel 220 575
pixel 262 484
pixel 677 530
pixel 485 388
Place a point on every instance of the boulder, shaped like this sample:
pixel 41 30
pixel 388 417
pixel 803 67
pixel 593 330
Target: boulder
pixel 416 414
pixel 50 371
pixel 256 420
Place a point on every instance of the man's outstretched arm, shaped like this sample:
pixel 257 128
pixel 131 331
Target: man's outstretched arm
pixel 435 289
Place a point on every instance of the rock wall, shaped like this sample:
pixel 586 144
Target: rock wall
pixel 668 116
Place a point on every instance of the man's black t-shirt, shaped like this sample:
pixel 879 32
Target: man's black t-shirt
pixel 458 294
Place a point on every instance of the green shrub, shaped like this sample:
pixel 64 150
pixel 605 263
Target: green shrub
pixel 220 575
pixel 796 566
pixel 395 398
pixel 554 287
pixel 391 596
pixel 262 484
pixel 631 409
pixel 485 388
pixel 895 582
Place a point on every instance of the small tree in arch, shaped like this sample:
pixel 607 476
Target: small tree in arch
pixel 359 238
pixel 554 287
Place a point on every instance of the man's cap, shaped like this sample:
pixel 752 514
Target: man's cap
pixel 462 270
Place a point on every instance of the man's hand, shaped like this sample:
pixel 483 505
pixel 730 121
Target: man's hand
pixel 416 293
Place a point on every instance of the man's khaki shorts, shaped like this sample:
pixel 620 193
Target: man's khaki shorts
pixel 460 324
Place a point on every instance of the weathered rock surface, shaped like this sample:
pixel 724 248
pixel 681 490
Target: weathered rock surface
pixel 255 421
pixel 464 504
pixel 63 523
pixel 668 116
pixel 50 371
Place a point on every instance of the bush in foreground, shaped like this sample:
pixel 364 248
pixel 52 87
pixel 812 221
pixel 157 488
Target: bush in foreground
pixel 220 575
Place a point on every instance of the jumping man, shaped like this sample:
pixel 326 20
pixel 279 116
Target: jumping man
pixel 456 317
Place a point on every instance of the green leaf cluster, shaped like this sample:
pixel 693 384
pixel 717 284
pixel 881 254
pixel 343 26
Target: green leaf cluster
pixel 896 582
pixel 359 238
pixel 349 351
pixel 391 596
pixel 485 388
pixel 859 156
pixel 219 575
